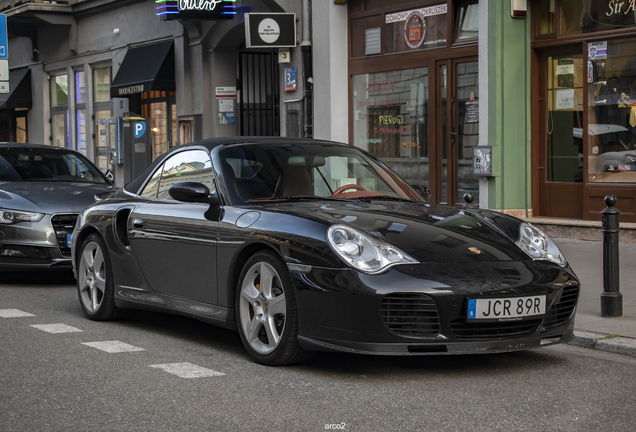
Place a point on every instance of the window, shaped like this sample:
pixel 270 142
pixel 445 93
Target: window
pixel 59 111
pixel 595 15
pixel 187 166
pixel 150 191
pixel 102 109
pixel 80 111
pixel 612 114
pixel 467 21
pixel 21 125
pixel 160 107
pixel 390 120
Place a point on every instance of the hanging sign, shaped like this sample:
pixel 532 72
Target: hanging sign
pixel 270 30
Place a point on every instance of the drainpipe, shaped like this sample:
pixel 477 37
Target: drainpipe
pixel 305 47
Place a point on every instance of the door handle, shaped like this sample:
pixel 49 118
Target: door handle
pixel 138 223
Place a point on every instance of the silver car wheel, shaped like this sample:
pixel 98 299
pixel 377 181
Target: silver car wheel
pixel 262 307
pixel 92 276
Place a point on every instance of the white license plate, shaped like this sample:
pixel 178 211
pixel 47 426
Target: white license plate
pixel 503 308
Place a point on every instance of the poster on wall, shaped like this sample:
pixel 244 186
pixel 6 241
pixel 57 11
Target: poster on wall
pixel 417 29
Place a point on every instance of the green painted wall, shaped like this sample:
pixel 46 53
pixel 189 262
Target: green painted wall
pixel 509 108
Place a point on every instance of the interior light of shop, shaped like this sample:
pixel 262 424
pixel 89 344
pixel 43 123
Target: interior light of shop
pixel 155 129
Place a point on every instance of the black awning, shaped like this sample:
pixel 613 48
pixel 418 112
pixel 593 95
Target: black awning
pixel 19 95
pixel 145 68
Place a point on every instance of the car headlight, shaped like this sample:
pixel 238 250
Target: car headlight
pixel 14 216
pixel 538 245
pixel 364 252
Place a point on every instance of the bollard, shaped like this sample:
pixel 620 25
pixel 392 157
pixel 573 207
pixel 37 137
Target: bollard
pixel 611 298
pixel 469 198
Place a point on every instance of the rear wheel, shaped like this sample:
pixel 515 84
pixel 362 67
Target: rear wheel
pixel 95 285
pixel 266 312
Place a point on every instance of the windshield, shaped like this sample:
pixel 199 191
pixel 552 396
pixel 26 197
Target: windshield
pixel 42 164
pixel 258 172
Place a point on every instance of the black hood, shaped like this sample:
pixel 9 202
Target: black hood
pixel 49 197
pixel 427 233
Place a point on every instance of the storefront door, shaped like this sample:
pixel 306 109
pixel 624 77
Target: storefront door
pixel 561 155
pixel 458 129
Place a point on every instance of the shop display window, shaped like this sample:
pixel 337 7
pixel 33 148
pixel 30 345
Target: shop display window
pixel 390 120
pixel 589 16
pixel 611 78
pixel 160 107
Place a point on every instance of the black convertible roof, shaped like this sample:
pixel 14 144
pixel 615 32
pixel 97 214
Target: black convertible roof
pixel 210 143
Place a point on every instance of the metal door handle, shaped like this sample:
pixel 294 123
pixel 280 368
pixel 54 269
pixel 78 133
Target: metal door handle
pixel 138 223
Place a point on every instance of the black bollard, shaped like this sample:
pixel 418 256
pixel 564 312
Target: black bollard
pixel 611 298
pixel 469 198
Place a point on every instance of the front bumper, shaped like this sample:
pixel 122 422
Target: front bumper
pixel 36 245
pixel 347 311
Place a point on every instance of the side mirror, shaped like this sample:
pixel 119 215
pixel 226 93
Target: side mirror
pixel 423 190
pixel 193 192
pixel 109 175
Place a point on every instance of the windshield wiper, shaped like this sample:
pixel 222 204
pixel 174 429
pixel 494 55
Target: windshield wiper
pixel 296 198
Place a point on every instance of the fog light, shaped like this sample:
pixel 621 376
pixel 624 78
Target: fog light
pixel 11 253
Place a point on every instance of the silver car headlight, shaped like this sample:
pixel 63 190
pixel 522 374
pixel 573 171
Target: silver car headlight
pixel 364 252
pixel 539 246
pixel 14 216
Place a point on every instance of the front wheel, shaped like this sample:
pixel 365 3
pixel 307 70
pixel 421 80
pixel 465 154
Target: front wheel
pixel 266 312
pixel 95 285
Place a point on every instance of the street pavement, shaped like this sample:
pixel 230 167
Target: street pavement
pixel 155 372
pixel 593 330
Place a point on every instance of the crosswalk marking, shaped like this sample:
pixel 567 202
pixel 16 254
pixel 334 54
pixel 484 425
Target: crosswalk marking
pixel 113 346
pixel 187 370
pixel 56 328
pixel 14 313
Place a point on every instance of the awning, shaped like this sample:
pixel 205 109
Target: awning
pixel 19 95
pixel 145 68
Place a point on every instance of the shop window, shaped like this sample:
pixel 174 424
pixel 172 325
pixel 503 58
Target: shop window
pixel 21 135
pixel 80 111
pixel 467 21
pixel 102 111
pixel 595 15
pixel 390 112
pixel 612 111
pixel 160 107
pixel 59 111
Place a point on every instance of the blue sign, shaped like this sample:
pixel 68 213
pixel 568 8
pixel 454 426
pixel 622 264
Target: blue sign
pixel 290 79
pixel 140 129
pixel 4 40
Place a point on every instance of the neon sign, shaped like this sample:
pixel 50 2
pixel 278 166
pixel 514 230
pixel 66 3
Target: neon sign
pixel 196 9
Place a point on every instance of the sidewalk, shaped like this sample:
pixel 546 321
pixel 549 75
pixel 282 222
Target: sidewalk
pixel 591 329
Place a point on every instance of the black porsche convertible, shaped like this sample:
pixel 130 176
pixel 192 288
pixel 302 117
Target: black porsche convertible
pixel 307 245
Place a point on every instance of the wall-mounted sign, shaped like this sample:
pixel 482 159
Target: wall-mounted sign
pixel 290 79
pixel 270 30
pixel 226 105
pixel 482 161
pixel 416 29
pixel 284 56
pixel 226 92
pixel 195 9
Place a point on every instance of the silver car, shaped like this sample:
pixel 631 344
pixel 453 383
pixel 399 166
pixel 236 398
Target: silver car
pixel 42 190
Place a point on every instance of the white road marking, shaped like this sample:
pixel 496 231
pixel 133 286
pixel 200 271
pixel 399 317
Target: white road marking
pixel 13 313
pixel 187 370
pixel 113 346
pixel 56 328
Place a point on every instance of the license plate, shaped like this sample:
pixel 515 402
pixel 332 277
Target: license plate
pixel 68 240
pixel 505 308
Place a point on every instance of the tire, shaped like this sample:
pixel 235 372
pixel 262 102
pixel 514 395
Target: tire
pixel 266 312
pixel 95 286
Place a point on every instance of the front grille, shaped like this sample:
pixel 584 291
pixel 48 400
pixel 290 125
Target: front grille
pixel 63 225
pixel 486 330
pixel 562 307
pixel 410 314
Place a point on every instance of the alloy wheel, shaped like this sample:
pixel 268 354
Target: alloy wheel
pixel 92 276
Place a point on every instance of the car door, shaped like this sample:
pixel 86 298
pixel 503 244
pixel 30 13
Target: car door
pixel 175 242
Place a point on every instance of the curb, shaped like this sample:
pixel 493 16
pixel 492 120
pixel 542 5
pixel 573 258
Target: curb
pixel 604 342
